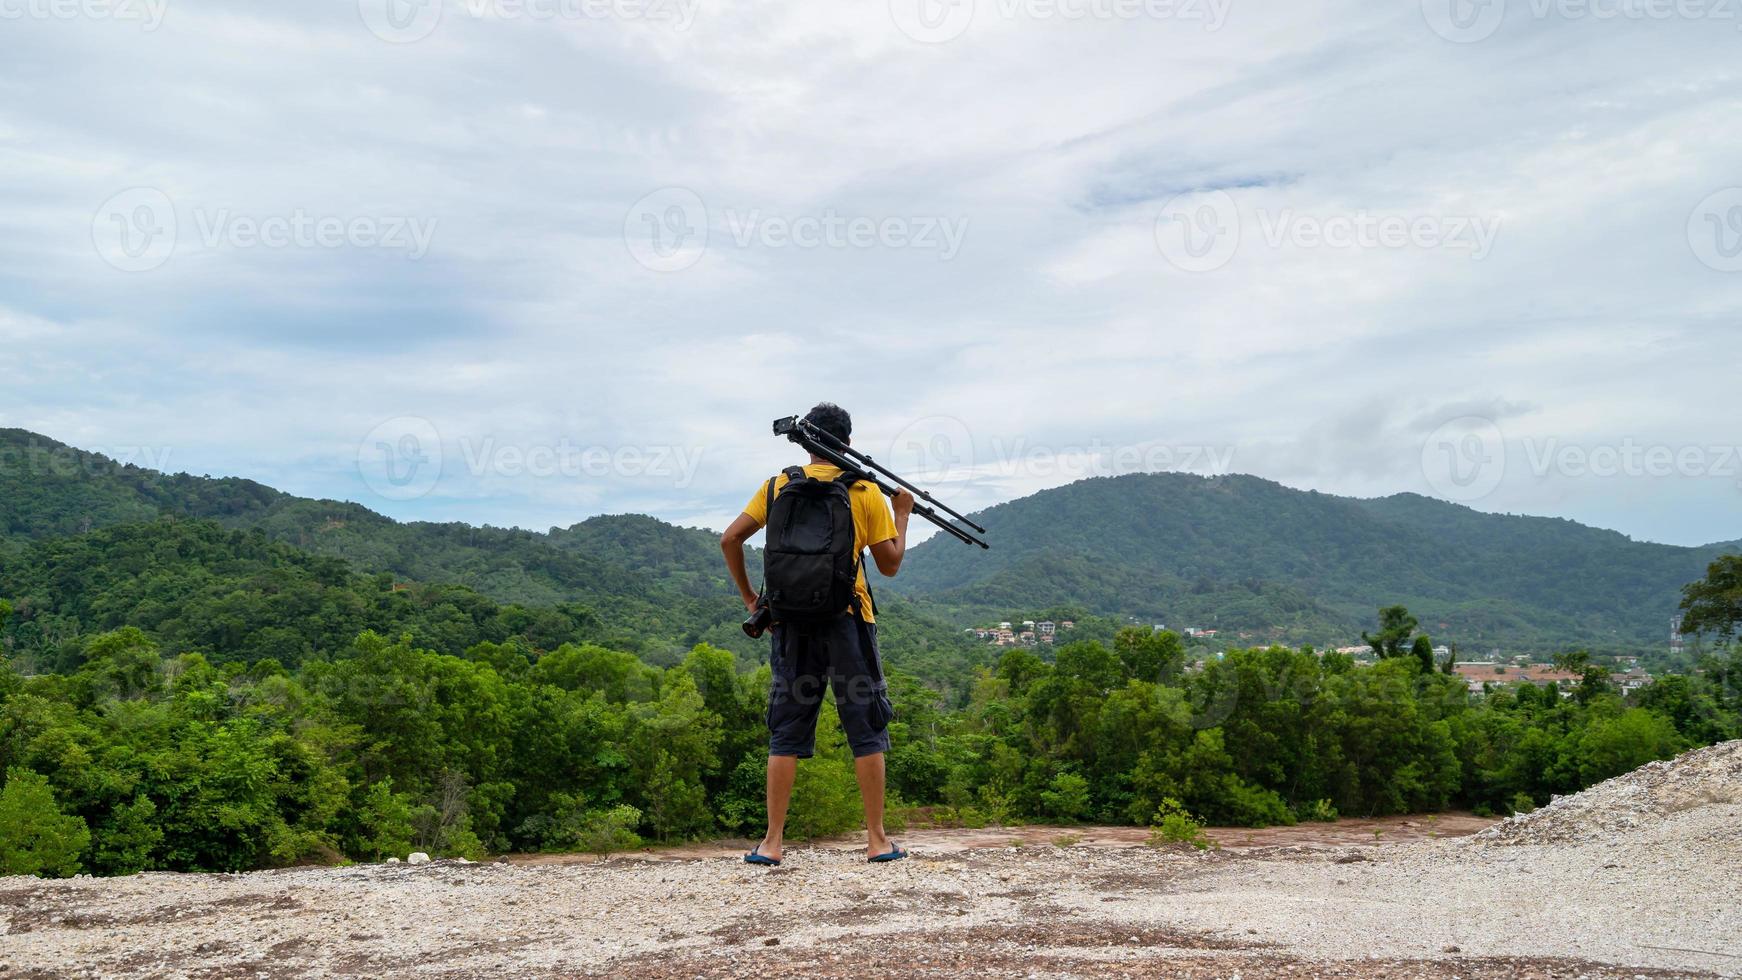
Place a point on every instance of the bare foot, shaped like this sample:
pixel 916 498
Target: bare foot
pixel 769 849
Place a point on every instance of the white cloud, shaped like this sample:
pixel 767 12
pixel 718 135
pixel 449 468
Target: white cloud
pixel 1059 325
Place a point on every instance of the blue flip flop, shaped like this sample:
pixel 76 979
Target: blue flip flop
pixel 895 854
pixel 761 859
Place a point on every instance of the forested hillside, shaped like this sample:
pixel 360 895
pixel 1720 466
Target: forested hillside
pixel 1241 553
pixel 87 544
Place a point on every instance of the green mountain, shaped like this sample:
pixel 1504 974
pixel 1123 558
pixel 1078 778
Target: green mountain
pixel 1242 554
pixel 633 582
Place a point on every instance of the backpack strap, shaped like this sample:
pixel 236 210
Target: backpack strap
pixel 850 477
pixel 868 593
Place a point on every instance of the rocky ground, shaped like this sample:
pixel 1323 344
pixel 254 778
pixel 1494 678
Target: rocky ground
pixel 1549 895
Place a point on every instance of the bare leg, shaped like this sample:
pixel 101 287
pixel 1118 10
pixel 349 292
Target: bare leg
pixel 782 770
pixel 869 769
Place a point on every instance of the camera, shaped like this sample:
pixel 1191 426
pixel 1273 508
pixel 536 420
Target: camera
pixel 759 621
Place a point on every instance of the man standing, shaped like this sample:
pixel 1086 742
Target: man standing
pixel 824 632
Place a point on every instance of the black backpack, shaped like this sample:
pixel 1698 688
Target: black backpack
pixel 809 562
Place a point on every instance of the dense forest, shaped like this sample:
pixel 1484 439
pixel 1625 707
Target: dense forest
pixel 207 674
pixel 132 760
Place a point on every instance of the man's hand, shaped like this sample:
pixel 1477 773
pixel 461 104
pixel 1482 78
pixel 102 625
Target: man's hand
pixel 903 503
pixel 750 602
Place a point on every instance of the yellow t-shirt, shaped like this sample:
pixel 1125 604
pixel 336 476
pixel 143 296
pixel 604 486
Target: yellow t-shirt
pixel 872 521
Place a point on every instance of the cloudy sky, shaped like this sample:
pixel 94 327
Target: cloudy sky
pixel 526 261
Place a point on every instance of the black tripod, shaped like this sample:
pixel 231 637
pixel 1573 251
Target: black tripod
pixel 850 460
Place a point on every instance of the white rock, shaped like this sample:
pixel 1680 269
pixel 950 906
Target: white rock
pixel 417 857
pixel 392 860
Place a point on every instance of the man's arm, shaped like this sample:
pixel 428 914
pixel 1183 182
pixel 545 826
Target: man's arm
pixel 732 546
pixel 888 554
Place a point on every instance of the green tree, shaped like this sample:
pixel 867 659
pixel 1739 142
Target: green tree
pixel 1066 797
pixel 1396 626
pixel 1613 745
pixel 126 843
pixel 384 826
pixel 1714 604
pixel 36 838
pixel 1423 650
pixel 1150 655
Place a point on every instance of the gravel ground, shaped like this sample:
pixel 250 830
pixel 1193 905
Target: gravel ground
pixel 1661 899
pixel 1639 799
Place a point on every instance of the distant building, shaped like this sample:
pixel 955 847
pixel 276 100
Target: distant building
pixel 1631 681
pixel 1045 627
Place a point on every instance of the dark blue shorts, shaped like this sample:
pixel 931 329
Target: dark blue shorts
pixel 843 653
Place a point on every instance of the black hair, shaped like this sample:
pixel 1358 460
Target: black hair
pixel 831 418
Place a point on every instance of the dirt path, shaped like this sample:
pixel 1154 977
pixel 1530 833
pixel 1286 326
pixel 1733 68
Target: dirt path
pixel 934 841
pixel 1324 901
